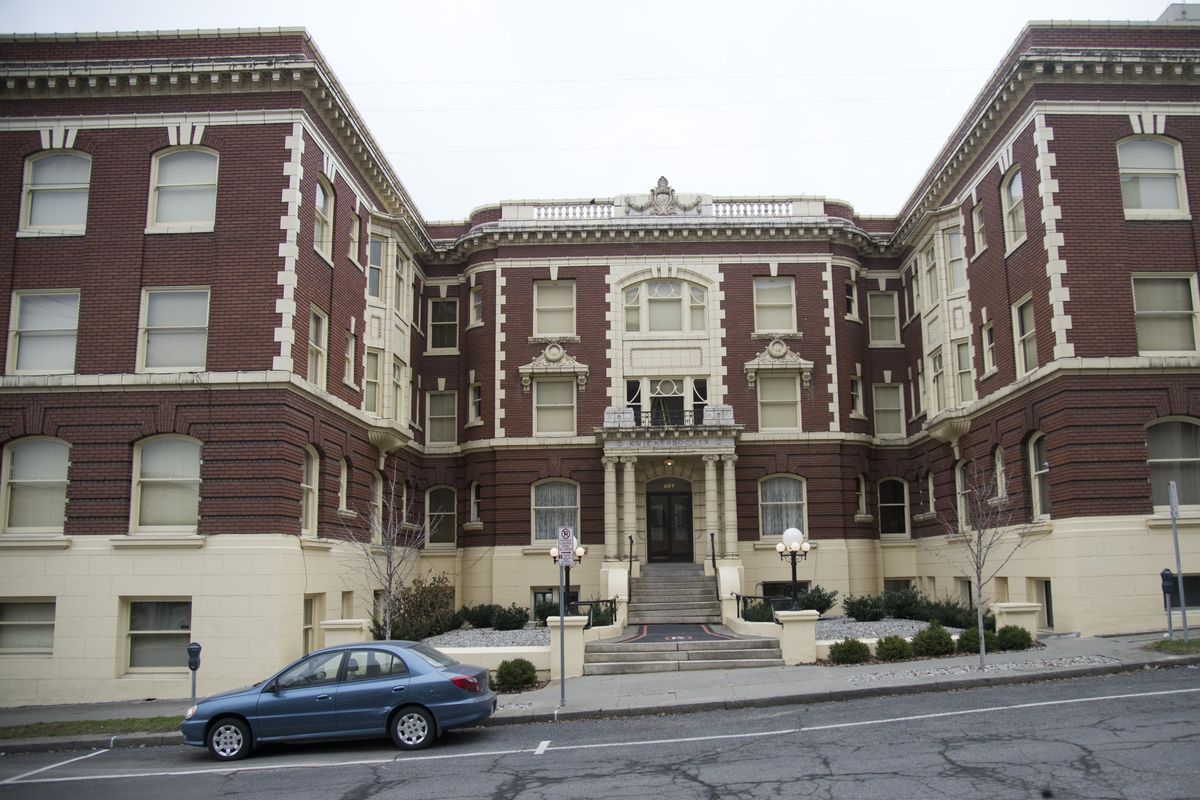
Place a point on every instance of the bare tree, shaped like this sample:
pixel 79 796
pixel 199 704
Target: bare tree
pixel 982 532
pixel 387 549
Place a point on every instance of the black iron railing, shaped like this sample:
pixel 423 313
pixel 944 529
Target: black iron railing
pixel 597 611
pixel 776 603
pixel 629 574
pixel 668 418
pixel 712 551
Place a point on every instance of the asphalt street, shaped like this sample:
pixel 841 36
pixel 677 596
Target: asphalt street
pixel 1124 736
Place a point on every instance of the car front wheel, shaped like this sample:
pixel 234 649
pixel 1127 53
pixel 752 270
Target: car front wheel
pixel 229 739
pixel 413 728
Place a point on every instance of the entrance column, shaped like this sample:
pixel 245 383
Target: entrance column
pixel 629 523
pixel 710 501
pixel 730 499
pixel 611 553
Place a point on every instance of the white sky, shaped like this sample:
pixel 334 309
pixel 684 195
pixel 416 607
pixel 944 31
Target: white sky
pixel 477 102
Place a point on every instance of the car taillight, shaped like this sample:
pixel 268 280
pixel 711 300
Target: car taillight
pixel 466 683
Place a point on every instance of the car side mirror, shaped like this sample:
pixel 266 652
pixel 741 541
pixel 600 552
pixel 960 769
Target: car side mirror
pixel 271 687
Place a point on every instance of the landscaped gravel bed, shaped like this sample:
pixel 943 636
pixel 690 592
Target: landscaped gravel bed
pixel 489 637
pixel 860 678
pixel 838 628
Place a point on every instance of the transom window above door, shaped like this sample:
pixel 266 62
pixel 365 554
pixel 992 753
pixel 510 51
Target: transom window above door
pixel 665 307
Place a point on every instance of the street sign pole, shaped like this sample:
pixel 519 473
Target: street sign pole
pixel 566 557
pixel 1178 561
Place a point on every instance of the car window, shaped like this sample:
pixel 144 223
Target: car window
pixel 314 671
pixel 435 657
pixel 365 665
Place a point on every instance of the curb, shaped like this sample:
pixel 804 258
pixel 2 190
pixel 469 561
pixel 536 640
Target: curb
pixel 134 740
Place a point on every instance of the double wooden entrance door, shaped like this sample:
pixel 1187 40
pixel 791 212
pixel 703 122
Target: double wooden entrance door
pixel 669 520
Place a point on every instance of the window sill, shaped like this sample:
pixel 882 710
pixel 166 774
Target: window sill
pixel 987 373
pixel 858 415
pixel 1038 527
pixel 470 327
pixel 475 423
pixel 1162 519
pixel 158 541
pixel 895 538
pixel 156 229
pixel 17 652
pixel 1133 215
pixel 925 516
pixel 542 550
pixel 977 254
pixel 442 352
pixel 473 525
pixel 442 549
pixel 150 672
pixel 346 513
pixel 863 518
pixel 34 541
pixel 547 338
pixel 313 543
pixel 769 542
pixel 852 318
pixel 38 372
pixel 168 370
pixel 1167 353
pixel 792 334
pixel 54 233
pixel 886 345
pixel 553 434
pixel 1012 248
pixel 326 257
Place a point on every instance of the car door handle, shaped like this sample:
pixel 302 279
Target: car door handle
pixel 397 688
pixel 321 697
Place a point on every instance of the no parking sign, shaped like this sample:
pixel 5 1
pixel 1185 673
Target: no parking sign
pixel 566 546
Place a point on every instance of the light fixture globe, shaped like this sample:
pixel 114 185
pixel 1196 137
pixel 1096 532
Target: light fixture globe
pixel 806 547
pixel 580 552
pixel 554 552
pixel 793 539
pixel 779 547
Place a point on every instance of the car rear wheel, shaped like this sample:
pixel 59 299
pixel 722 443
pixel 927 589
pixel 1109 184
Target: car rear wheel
pixel 229 739
pixel 413 728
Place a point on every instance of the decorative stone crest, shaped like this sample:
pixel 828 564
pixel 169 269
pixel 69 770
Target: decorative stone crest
pixel 663 201
pixel 553 361
pixel 779 357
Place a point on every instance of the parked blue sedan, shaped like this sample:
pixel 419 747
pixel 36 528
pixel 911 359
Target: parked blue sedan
pixel 407 690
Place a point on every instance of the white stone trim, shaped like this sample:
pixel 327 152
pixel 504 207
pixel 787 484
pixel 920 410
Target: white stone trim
pixel 498 391
pixel 289 223
pixel 835 424
pixel 1056 267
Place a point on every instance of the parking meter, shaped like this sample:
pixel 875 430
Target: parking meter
pixel 1168 590
pixel 193 651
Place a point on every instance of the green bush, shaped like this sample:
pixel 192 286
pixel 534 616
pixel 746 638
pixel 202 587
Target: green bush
pixel 893 648
pixel 510 619
pixel 816 599
pixel 905 604
pixel 933 641
pixel 601 615
pixel 849 651
pixel 867 608
pixel 514 675
pixel 968 641
pixel 956 614
pixel 761 611
pixel 423 608
pixel 480 616
pixel 1013 637
pixel 546 608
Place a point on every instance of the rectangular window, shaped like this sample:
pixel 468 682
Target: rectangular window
pixel 174 330
pixel 917 390
pixel 349 357
pixel 1164 308
pixel 375 269
pixel 1024 334
pixel 475 409
pixel 554 308
pixel 443 324
pixel 883 322
pixel 1191 591
pixel 889 409
pixel 159 632
pixel 1012 200
pixel 397 389
pixel 372 379
pixel 856 403
pixel 477 305
pixel 774 304
pixel 851 300
pixel 414 400
pixel 956 262
pixel 778 402
pixel 931 278
pixel 977 229
pixel 44 329
pixel 398 283
pixel 355 224
pixel 308 628
pixel 962 371
pixel 937 381
pixel 553 406
pixel 989 348
pixel 443 417
pixel 664 306
pixel 26 626
pixel 318 347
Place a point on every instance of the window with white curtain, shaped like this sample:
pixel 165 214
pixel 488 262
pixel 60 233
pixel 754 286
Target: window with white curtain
pixel 893 506
pixel 398 398
pixel 1039 476
pixel 309 484
pixel 27 626
pixel 166 490
pixel 860 494
pixel 931 283
pixel 554 308
pixel 889 409
pixel 375 250
pixel 1025 334
pixel 1164 307
pixel 348 359
pixel 998 475
pixel 323 215
pixel 1012 203
pixel 962 489
pixel 442 408
pixel 1151 177
pixel 476 306
pixel 441 515
pixel 988 335
pixel 174 330
pixel 555 505
pixel 344 486
pixel 184 194
pixel 159 632
pixel 937 382
pixel 553 406
pixel 35 485
pixel 355 226
pixel 883 321
pixel 475 406
pixel 778 402
pixel 376 521
pixel 780 505
pixel 474 512
pixel 55 199
pixel 978 231
pixel 44 326
pixel 1174 456
pixel 774 304
pixel 856 400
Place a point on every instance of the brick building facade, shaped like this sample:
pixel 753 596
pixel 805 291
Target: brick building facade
pixel 231 336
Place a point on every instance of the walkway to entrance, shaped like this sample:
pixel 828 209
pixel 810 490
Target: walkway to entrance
pixel 674 633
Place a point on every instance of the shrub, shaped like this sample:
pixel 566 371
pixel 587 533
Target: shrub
pixel 546 608
pixel 968 641
pixel 510 619
pixel 933 641
pixel 817 599
pixel 868 608
pixel 601 615
pixel 849 651
pixel 481 616
pixel 893 648
pixel 759 612
pixel 1014 637
pixel 514 675
pixel 424 608
pixel 905 604
pixel 955 614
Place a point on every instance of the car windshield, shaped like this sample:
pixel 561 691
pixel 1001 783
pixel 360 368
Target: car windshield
pixel 435 657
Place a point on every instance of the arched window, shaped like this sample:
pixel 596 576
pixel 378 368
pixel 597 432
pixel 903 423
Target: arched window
pixel 376 520
pixel 475 511
pixel 893 507
pixel 309 485
pixel 56 193
pixel 963 494
pixel 344 486
pixel 555 505
pixel 166 489
pixel 781 500
pixel 1151 176
pixel 323 212
pixel 998 472
pixel 35 485
pixel 184 193
pixel 1012 203
pixel 1039 476
pixel 665 306
pixel 1174 456
pixel 860 495
pixel 441 516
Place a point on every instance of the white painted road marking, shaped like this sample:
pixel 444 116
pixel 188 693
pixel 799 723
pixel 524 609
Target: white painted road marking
pixel 544 746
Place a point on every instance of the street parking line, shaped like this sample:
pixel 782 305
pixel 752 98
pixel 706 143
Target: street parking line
pixel 544 746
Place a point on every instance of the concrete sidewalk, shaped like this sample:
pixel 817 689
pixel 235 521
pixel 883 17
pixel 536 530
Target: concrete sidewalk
pixel 599 696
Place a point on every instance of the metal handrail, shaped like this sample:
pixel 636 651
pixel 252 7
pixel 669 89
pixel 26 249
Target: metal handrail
pixel 669 418
pixel 629 574
pixel 611 604
pixel 712 551
pixel 740 600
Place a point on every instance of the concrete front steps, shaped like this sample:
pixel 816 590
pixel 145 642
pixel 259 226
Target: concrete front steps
pixel 673 593
pixel 624 658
